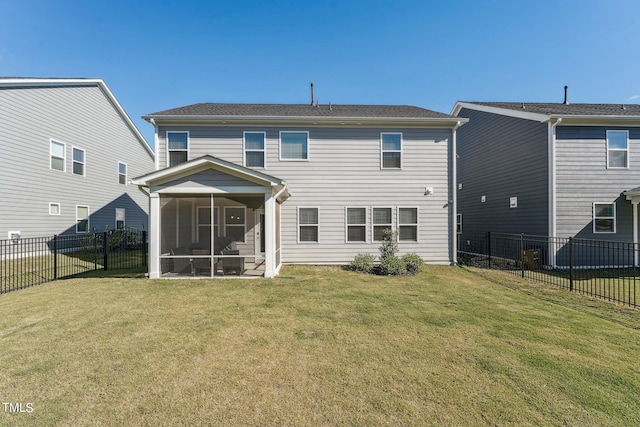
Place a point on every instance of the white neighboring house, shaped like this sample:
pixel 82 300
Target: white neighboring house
pixel 245 188
pixel 69 152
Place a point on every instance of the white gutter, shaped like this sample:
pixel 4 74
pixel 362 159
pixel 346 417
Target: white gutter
pixel 155 142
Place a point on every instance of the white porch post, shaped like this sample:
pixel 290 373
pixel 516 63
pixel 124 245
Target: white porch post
pixel 154 236
pixel 269 235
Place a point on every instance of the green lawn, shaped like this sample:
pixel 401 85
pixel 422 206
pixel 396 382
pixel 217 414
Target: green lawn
pixel 317 346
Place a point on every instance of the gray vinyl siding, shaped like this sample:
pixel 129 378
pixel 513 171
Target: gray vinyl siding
pixel 344 170
pixel 500 157
pixel 81 117
pixel 583 178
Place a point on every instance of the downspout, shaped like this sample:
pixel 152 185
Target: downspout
pixel 552 185
pixel 155 141
pixel 454 194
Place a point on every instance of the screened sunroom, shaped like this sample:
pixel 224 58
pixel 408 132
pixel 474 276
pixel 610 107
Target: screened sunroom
pixel 212 218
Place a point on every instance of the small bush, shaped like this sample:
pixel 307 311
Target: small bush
pixel 362 263
pixel 393 266
pixel 413 262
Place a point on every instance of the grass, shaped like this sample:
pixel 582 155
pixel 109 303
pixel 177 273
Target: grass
pixel 318 346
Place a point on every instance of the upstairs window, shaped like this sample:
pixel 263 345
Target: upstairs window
pixel 254 149
pixel 78 161
pixel 122 173
pixel 604 217
pixel 617 149
pixel 391 144
pixel 294 145
pixel 178 146
pixel 57 152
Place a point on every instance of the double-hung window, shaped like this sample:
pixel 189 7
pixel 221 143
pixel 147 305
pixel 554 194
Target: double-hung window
pixel 356 224
pixel 178 146
pixel 254 151
pixel 57 153
pixel 234 223
pixel 391 149
pixel 82 219
pixel 122 173
pixel 120 217
pixel 308 224
pixel 617 149
pixel 604 217
pixel 408 224
pixel 459 223
pixel 294 145
pixel 382 220
pixel 78 161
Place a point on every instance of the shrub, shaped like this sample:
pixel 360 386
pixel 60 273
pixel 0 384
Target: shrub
pixel 389 246
pixel 362 263
pixel 392 266
pixel 413 262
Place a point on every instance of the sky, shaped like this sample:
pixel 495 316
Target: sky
pixel 156 55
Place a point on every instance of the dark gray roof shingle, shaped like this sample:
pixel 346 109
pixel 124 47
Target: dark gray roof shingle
pixel 301 110
pixel 560 109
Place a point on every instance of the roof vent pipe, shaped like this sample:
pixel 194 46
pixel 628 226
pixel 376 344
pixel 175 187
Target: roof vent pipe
pixel 311 93
pixel 566 102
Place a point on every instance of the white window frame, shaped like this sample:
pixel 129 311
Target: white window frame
pixel 244 226
pixel 215 219
pixel 88 219
pixel 64 155
pixel 121 174
pixel 284 159
pixel 613 218
pixel 253 150
pixel 626 150
pixel 409 225
pixel 51 204
pixel 459 223
pixel 374 225
pixel 74 161
pixel 124 218
pixel 169 151
pixel 382 150
pixel 347 224
pixel 317 225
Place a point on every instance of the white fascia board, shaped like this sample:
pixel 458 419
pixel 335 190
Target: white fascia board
pixel 598 120
pixel 501 111
pixel 308 120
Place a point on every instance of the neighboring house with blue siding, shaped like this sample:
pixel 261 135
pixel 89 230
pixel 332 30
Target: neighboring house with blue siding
pixel 245 188
pixel 69 152
pixel 562 170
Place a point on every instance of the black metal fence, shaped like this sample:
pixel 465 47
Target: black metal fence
pixel 32 261
pixel 597 268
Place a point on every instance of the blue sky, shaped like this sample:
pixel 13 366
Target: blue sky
pixel 162 54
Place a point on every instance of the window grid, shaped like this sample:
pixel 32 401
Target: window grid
pixel 356 225
pixel 57 152
pixel 391 150
pixel 308 225
pixel 78 161
pixel 254 149
pixel 408 224
pixel 382 218
pixel 604 217
pixel 617 149
pixel 177 147
pixel 122 173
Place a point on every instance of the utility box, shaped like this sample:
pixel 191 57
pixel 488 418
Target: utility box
pixel 532 259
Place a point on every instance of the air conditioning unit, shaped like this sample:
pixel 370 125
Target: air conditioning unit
pixel 14 236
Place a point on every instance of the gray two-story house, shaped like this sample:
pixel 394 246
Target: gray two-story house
pixel 69 151
pixel 549 169
pixel 245 188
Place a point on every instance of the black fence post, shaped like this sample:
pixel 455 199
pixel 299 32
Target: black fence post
pixel 55 257
pixel 522 254
pixel 571 264
pixel 489 248
pixel 144 248
pixel 105 251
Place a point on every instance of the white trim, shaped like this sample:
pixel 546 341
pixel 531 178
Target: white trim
pixel 124 219
pixel 459 229
pixel 626 132
pixel 59 208
pixel 524 114
pixel 373 225
pixel 614 217
pixel 64 158
pixel 416 225
pixel 298 225
pixel 382 150
pixel 74 161
pixel 168 150
pixel 259 255
pixel 244 225
pixel 280 146
pixel 88 218
pixel 126 173
pixel 347 225
pixel 264 149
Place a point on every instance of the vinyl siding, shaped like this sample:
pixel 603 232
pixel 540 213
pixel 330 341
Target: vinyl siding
pixel 81 117
pixel 583 178
pixel 501 157
pixel 343 170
